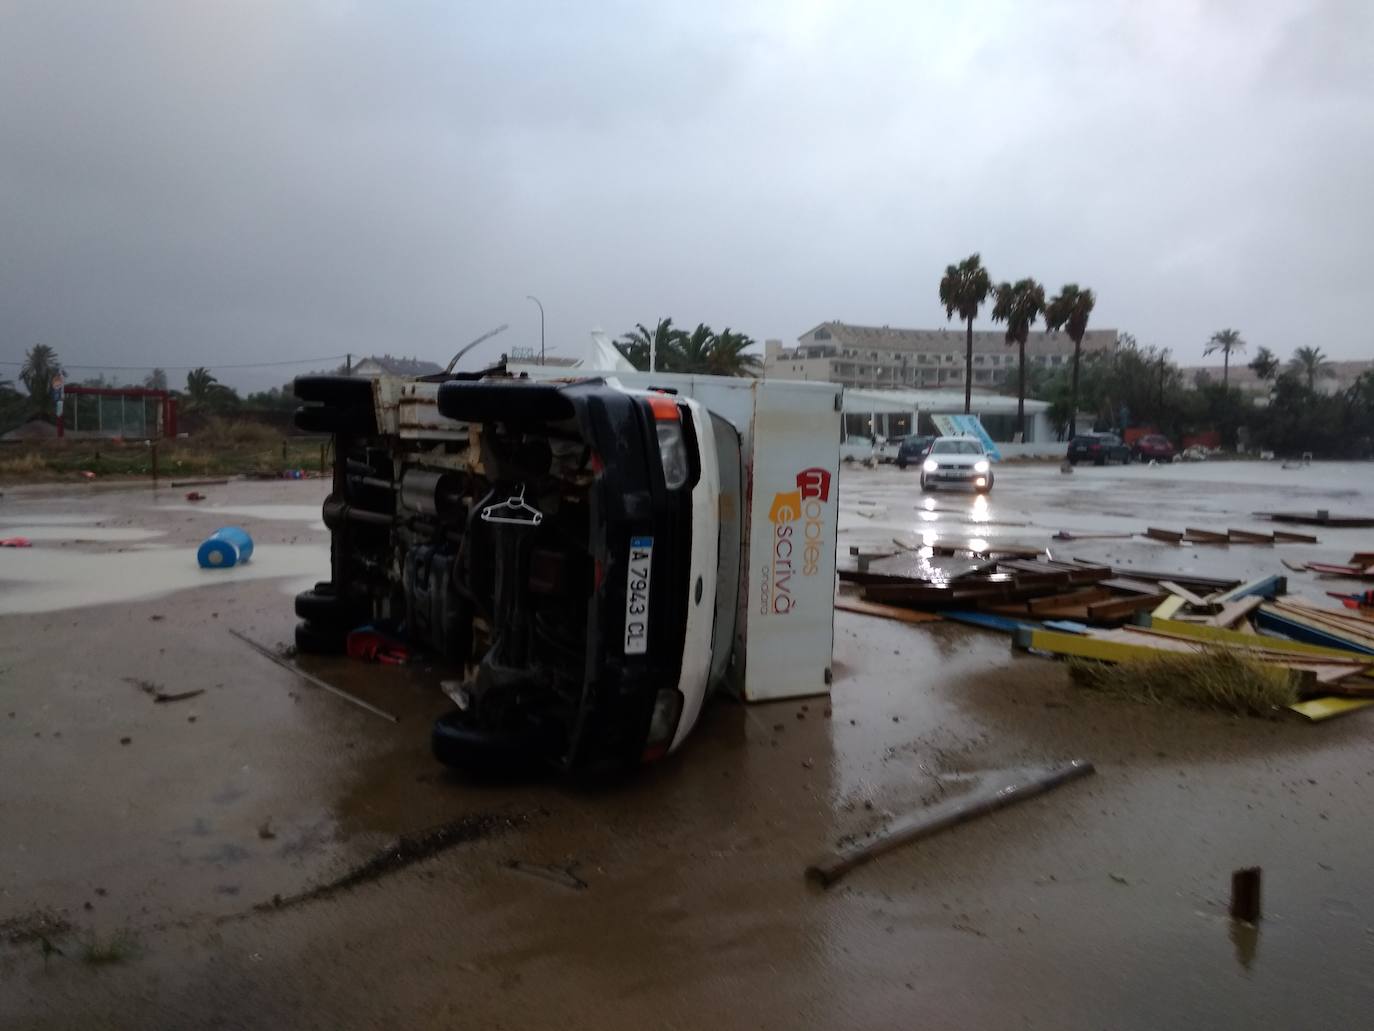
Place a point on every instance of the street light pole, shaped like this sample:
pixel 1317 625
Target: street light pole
pixel 541 326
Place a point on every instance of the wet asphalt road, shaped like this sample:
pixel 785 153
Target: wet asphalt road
pixel 1102 905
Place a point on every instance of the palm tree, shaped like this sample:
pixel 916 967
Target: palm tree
pixel 1069 311
pixel 202 389
pixel 694 351
pixel 156 380
pixel 1019 305
pixel 1309 363
pixel 41 364
pixel 963 289
pixel 1265 364
pixel 729 356
pixel 651 350
pixel 1225 341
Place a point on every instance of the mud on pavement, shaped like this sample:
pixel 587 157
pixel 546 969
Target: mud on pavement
pixel 1102 905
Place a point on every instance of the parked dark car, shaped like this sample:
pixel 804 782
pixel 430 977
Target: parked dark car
pixel 1098 448
pixel 1154 447
pixel 913 450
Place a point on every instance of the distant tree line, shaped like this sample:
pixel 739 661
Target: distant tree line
pixel 1137 385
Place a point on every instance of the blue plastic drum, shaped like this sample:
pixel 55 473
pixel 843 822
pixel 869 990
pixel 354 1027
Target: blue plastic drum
pixel 227 546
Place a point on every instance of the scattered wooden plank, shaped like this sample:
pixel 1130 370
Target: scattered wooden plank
pixel 1188 596
pixel 1266 586
pixel 1168 536
pixel 1058 601
pixel 1168 607
pixel 985 620
pixel 1121 608
pixel 847 603
pixel 1193 535
pixel 1001 791
pixel 1296 626
pixel 1325 708
pixel 1069 535
pixel 1234 612
pixel 1288 537
pixel 1297 567
pixel 1192 581
pixel 1129 586
pixel 1249 537
pixel 1321 517
pixel 1219 635
pixel 1349 572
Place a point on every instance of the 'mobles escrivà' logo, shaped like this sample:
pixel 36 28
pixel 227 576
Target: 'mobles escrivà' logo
pixel 798 518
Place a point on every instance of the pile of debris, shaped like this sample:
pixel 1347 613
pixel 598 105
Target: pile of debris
pixel 1009 581
pixel 1326 655
pixel 1360 567
pixel 1094 613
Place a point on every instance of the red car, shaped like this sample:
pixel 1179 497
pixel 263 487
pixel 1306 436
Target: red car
pixel 1154 446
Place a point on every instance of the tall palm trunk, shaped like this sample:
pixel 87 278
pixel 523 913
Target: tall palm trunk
pixel 1073 392
pixel 1021 394
pixel 968 369
pixel 1225 368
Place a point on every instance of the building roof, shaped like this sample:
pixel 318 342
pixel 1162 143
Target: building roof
pixel 890 338
pixel 386 365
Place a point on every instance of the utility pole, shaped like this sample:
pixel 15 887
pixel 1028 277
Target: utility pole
pixel 348 364
pixel 531 297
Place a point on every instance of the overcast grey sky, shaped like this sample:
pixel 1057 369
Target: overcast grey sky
pixel 254 181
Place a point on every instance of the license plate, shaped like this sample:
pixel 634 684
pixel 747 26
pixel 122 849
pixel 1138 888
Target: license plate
pixel 637 595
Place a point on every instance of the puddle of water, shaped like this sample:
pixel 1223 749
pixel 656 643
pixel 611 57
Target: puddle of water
pixel 47 581
pixel 78 533
pixel 287 513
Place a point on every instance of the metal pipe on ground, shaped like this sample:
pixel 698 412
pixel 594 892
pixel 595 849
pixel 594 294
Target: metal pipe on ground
pixel 928 822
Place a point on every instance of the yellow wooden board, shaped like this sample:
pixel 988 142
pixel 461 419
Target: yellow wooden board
pixel 1168 608
pixel 1324 708
pixel 1221 635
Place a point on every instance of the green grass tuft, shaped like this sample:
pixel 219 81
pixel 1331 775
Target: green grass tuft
pixel 1218 678
pixel 98 952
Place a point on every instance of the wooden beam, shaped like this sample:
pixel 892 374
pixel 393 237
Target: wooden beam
pixel 1249 537
pixel 1168 607
pixel 1287 537
pixel 1193 535
pixel 1219 635
pixel 873 608
pixel 1234 611
pixel 1188 596
pixel 1168 536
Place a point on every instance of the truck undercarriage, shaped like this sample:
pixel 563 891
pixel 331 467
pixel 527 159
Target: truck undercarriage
pixel 538 538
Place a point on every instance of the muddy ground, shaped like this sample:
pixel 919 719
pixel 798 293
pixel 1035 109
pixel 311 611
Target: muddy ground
pixel 142 844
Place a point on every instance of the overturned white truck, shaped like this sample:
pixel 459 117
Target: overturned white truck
pixel 594 556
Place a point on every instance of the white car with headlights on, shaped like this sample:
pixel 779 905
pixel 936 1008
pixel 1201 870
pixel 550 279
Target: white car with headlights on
pixel 957 461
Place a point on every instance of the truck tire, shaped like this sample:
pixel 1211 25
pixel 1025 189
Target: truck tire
pixel 460 746
pixel 901 463
pixel 313 639
pixel 334 391
pixel 355 420
pixel 328 610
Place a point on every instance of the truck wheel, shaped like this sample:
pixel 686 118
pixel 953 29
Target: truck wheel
pixel 460 746
pixel 313 639
pixel 356 420
pixel 901 463
pixel 335 391
pixel 1100 461
pixel 328 610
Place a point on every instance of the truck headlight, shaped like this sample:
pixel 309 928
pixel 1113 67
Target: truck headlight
pixel 981 466
pixel 930 465
pixel 672 452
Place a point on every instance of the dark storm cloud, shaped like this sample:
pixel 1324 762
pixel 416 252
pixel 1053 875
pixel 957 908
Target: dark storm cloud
pixel 184 183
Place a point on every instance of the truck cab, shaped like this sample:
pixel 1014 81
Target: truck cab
pixel 560 544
